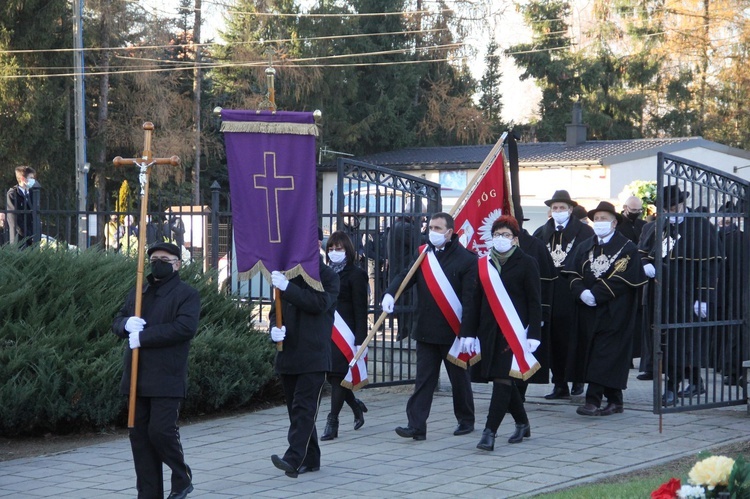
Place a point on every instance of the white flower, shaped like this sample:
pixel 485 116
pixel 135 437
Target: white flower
pixel 691 492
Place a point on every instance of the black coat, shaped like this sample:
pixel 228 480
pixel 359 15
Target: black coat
pixel 602 353
pixel 20 225
pixel 352 307
pixel 520 276
pixel 308 317
pixel 631 228
pixel 460 268
pixel 171 310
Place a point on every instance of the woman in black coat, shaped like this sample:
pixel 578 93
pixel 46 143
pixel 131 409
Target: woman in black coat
pixel 352 307
pixel 519 274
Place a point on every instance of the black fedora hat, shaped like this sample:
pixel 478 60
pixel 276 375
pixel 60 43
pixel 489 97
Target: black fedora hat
pixel 605 206
pixel 672 195
pixel 561 196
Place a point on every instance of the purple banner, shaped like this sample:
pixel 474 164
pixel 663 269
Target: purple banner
pixel 271 161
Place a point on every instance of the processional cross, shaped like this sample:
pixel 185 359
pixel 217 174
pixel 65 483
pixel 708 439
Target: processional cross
pixel 272 184
pixel 144 164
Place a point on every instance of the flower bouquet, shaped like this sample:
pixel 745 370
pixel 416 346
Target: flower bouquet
pixel 710 477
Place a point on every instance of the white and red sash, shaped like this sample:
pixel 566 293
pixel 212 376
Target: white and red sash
pixel 343 338
pixel 449 304
pixel 524 363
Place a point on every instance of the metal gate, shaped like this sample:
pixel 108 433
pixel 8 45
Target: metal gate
pixel 699 303
pixel 384 212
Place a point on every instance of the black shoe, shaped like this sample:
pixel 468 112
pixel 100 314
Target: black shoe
pixel 668 398
pixel 359 416
pixel 588 410
pixel 559 392
pixel 577 389
pixel 487 442
pixel 181 495
pixel 331 430
pixel 522 431
pixel 287 468
pixel 303 469
pixel 733 380
pixel 611 409
pixel 409 432
pixel 692 390
pixel 463 429
pixel 645 376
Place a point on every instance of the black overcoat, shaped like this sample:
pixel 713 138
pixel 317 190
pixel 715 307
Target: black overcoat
pixel 460 268
pixel 20 225
pixel 171 309
pixel 520 276
pixel 308 317
pixel 352 307
pixel 602 353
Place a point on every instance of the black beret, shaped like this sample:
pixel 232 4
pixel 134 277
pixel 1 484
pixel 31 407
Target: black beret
pixel 170 248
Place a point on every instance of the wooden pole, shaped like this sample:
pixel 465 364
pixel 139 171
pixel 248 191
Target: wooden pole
pixel 145 164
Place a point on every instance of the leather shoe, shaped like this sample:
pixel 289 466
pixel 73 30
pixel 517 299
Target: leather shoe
pixel 522 431
pixel 732 380
pixel 691 390
pixel 667 398
pixel 303 469
pixel 588 410
pixel 487 442
pixel 577 389
pixel 610 409
pixel 558 392
pixel 409 432
pixel 181 495
pixel 645 376
pixel 287 468
pixel 463 429
pixel 359 414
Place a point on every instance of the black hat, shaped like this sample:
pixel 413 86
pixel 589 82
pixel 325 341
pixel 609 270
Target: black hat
pixel 561 196
pixel 608 207
pixel 320 234
pixel 579 212
pixel 672 195
pixel 170 248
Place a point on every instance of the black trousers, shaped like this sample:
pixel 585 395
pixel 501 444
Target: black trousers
pixel 595 392
pixel 302 393
pixel 155 440
pixel 429 357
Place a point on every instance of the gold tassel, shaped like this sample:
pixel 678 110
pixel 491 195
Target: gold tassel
pixel 270 128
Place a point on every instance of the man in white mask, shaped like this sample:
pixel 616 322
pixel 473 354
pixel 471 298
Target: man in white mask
pixel 604 275
pixel 20 217
pixel 562 234
pixel 446 280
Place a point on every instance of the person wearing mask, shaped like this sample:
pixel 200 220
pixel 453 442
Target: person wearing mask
pixel 352 309
pixel 445 281
pixel 308 316
pixel 20 218
pixel 163 332
pixel 507 268
pixel 562 234
pixel 604 274
pixel 632 219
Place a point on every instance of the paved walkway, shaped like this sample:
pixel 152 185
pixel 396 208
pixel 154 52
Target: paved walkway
pixel 230 457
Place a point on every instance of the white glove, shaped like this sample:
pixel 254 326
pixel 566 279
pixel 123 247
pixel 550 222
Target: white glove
pixel 533 344
pixel 135 339
pixel 278 333
pixel 650 270
pixel 587 297
pixel 279 280
pixel 388 303
pixel 134 325
pixel 701 309
pixel 468 345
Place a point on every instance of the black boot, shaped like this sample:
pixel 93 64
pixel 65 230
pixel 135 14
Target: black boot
pixel 359 417
pixel 332 428
pixel 522 431
pixel 487 442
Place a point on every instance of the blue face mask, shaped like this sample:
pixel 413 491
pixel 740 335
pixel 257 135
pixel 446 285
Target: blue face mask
pixel 30 183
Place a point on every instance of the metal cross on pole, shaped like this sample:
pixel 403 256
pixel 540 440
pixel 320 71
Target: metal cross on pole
pixel 144 163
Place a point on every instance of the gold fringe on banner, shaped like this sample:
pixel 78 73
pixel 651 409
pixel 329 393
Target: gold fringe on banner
pixel 270 127
pixel 354 388
pixel 290 274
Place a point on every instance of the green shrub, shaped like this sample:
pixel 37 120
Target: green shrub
pixel 60 365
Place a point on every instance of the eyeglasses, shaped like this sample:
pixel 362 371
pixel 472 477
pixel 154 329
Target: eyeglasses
pixel 164 259
pixel 506 235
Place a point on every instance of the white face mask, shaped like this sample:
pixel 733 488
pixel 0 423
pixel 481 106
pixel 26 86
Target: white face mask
pixel 676 220
pixel 30 183
pixel 502 244
pixel 337 256
pixel 436 238
pixel 560 217
pixel 602 229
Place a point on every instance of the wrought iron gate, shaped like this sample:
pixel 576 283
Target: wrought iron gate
pixel 384 213
pixel 699 302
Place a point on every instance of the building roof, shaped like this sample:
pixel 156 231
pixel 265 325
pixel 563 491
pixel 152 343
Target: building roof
pixel 539 154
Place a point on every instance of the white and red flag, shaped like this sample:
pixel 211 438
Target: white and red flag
pixel 343 338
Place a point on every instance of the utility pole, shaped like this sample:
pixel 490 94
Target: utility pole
pixel 197 79
pixel 82 167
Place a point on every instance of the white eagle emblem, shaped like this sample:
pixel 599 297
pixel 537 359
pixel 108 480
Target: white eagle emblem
pixel 484 243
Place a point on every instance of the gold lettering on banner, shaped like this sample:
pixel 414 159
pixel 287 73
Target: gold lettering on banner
pixel 272 185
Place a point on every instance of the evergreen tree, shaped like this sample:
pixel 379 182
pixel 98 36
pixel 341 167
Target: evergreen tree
pixel 491 99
